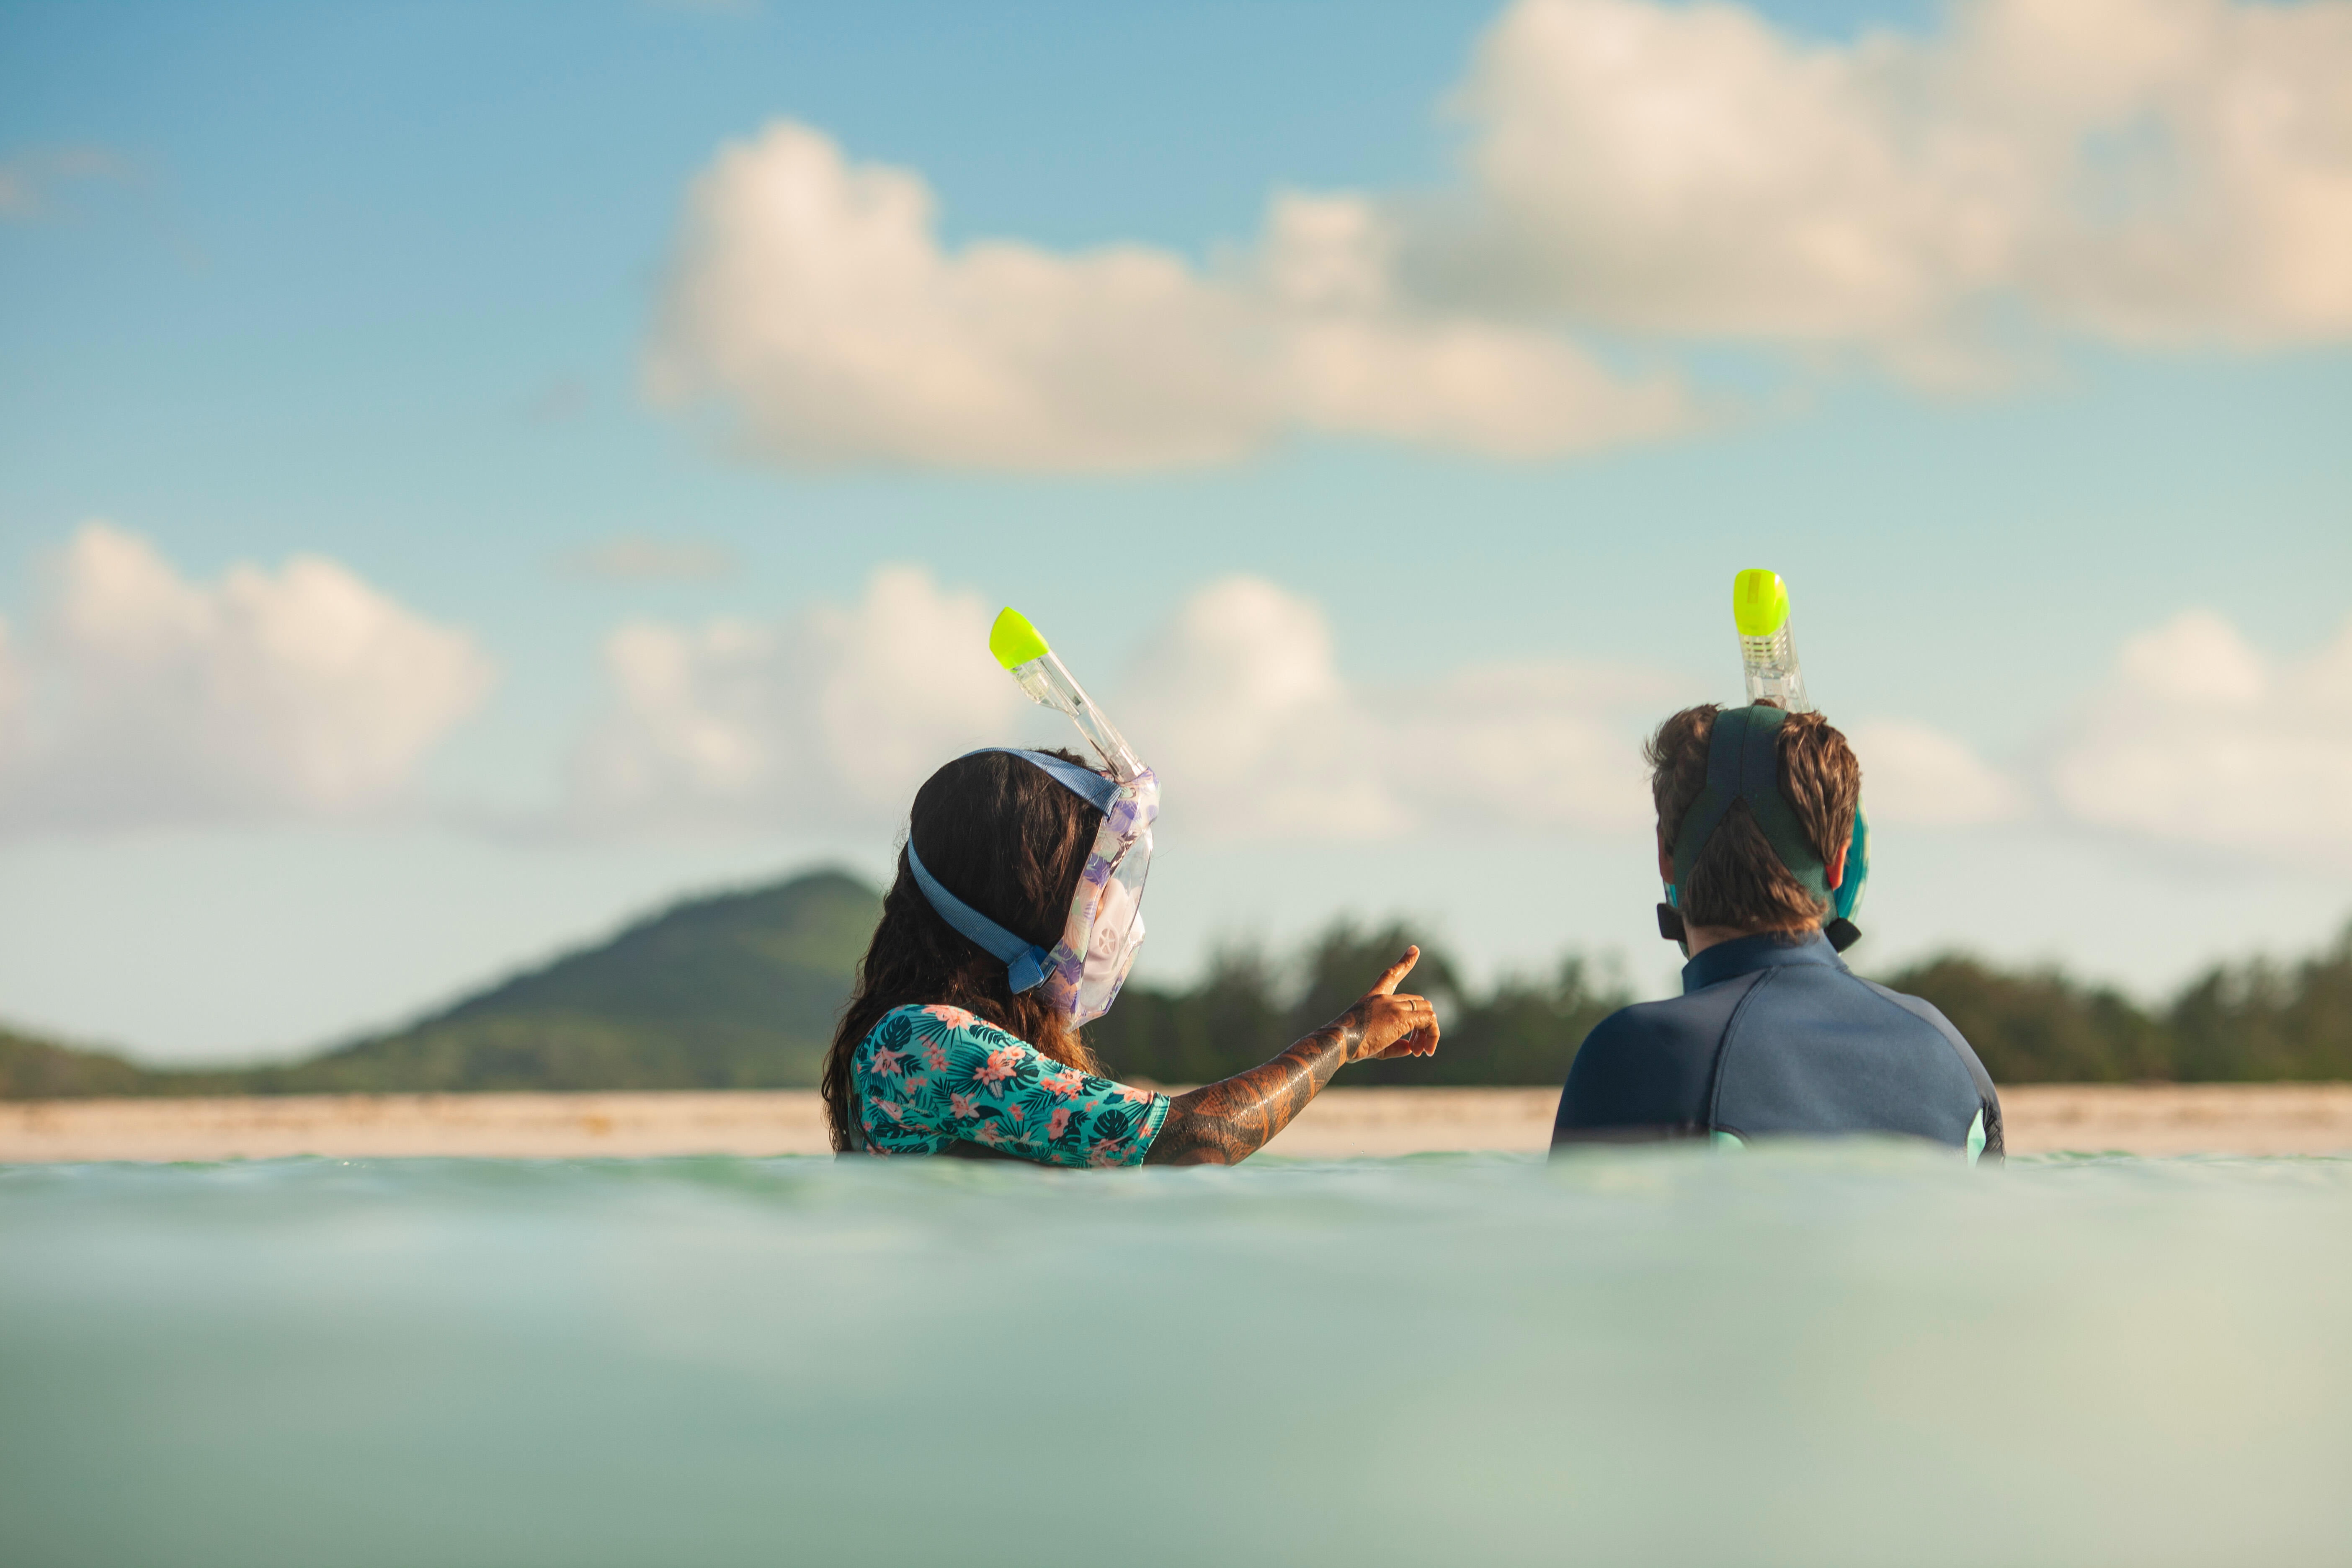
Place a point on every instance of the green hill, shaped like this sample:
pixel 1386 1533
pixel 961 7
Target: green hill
pixel 740 991
pixel 40 1069
pixel 735 991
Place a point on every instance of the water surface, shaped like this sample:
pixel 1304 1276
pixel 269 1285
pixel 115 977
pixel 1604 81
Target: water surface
pixel 1805 1355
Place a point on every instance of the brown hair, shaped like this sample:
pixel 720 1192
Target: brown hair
pixel 1009 839
pixel 1736 879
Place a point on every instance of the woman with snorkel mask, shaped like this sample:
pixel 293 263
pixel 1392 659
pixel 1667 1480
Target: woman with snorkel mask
pixel 1012 920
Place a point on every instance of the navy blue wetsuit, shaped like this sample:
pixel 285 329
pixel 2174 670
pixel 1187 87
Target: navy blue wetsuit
pixel 1773 1035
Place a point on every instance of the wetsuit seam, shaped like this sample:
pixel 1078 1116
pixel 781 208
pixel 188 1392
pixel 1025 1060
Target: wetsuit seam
pixel 1723 1046
pixel 1949 1045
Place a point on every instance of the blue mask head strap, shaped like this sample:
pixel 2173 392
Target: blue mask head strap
pixel 1743 766
pixel 1077 777
pixel 1026 964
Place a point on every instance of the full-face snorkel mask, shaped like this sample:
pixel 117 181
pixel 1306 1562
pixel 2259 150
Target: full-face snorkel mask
pixel 1083 973
pixel 1743 764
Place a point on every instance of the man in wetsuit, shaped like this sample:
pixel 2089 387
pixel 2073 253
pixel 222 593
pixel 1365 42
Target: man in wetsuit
pixel 1772 1035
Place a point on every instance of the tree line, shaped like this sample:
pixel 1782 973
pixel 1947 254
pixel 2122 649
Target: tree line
pixel 2257 1021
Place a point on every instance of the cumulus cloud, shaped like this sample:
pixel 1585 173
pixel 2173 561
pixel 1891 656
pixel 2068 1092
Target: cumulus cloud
pixel 1242 696
pixel 2198 737
pixel 812 297
pixel 2140 171
pixel 2143 170
pixel 141 697
pixel 639 558
pixel 830 720
pixel 1239 707
pixel 1241 700
pixel 1912 773
pixel 1238 702
pixel 30 181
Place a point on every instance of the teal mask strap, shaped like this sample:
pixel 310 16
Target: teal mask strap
pixel 1743 765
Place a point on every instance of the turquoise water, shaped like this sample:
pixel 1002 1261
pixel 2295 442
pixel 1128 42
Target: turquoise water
pixel 1806 1356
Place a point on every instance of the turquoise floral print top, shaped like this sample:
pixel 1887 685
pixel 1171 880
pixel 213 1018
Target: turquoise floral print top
pixel 928 1076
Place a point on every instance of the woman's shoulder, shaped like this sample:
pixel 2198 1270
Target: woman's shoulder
pixel 939 1022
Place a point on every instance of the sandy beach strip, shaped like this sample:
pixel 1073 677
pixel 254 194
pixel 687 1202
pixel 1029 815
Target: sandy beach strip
pixel 2243 1119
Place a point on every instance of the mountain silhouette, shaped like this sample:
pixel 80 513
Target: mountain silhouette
pixel 738 990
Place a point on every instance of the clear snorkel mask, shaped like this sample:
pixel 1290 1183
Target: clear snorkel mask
pixel 1768 662
pixel 1083 973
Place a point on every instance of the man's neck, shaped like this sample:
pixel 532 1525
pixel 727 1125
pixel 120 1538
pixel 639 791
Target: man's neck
pixel 1698 939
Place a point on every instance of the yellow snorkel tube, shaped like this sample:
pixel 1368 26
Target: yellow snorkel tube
pixel 1023 651
pixel 1768 652
pixel 1768 662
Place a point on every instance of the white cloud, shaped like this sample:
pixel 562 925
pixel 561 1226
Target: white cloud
pixel 12 701
pixel 1912 773
pixel 2139 169
pixel 29 181
pixel 141 697
pixel 2143 171
pixel 1238 706
pixel 640 557
pixel 1257 735
pixel 834 719
pixel 2198 737
pixel 812 296
pixel 1237 703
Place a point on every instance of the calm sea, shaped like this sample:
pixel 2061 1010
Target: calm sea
pixel 1825 1355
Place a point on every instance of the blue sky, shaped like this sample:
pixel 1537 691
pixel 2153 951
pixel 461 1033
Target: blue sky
pixel 381 284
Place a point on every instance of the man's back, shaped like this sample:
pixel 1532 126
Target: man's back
pixel 1774 1036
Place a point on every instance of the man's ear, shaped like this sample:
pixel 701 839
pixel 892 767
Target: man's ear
pixel 1833 869
pixel 1665 860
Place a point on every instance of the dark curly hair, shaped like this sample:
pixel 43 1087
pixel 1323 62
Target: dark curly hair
pixel 1009 839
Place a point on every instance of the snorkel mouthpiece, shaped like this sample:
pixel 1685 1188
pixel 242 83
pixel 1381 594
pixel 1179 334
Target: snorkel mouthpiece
pixel 1023 651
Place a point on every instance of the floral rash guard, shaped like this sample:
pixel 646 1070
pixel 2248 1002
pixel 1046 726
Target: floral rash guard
pixel 928 1076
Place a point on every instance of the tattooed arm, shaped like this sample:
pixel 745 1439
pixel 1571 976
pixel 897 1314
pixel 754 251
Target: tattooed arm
pixel 1224 1123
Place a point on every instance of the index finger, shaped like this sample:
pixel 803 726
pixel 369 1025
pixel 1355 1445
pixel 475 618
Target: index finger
pixel 1387 983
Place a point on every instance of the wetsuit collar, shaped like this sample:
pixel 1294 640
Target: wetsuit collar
pixel 1765 950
